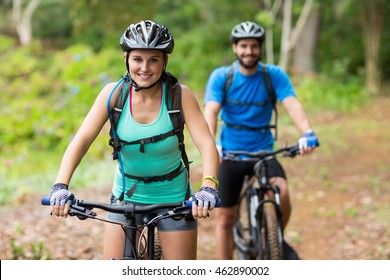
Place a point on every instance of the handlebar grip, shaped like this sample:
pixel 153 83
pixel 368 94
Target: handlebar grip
pixel 45 200
pixel 189 203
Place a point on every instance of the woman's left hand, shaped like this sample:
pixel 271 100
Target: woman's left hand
pixel 204 201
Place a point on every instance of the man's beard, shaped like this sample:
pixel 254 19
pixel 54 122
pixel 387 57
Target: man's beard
pixel 249 66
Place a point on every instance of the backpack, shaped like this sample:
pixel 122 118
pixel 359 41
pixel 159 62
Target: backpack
pixel 271 97
pixel 174 106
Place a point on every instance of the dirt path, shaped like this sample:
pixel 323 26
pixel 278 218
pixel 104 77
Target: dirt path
pixel 341 203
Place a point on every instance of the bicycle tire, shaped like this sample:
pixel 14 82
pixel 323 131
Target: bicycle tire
pixel 271 235
pixel 157 247
pixel 243 231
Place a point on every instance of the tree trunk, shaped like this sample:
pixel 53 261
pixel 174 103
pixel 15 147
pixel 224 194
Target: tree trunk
pixel 269 39
pixel 372 22
pixel 22 19
pixel 290 36
pixel 284 49
pixel 306 46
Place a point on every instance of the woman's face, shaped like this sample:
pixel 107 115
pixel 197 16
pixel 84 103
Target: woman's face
pixel 146 66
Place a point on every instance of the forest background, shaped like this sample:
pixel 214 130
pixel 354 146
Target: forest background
pixel 56 55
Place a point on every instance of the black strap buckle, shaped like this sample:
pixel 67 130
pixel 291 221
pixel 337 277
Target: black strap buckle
pixel 156 138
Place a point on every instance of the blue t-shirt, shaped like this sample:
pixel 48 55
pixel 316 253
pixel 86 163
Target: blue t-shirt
pixel 252 109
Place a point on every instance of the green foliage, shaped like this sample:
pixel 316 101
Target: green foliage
pixel 337 43
pixel 47 97
pixel 265 18
pixel 37 251
pixel 52 20
pixel 325 93
pixel 185 61
pixel 351 212
pixel 207 45
pixel 100 23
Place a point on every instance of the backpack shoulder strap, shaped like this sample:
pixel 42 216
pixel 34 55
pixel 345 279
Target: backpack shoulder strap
pixel 268 84
pixel 175 111
pixel 115 114
pixel 173 100
pixel 229 78
pixel 271 95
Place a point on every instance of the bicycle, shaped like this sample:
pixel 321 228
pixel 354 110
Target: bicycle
pixel 133 251
pixel 258 232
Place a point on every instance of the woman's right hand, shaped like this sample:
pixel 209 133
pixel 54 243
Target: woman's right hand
pixel 60 200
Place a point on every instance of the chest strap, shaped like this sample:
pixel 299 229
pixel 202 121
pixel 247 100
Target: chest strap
pixel 235 102
pixel 119 143
pixel 248 127
pixel 169 177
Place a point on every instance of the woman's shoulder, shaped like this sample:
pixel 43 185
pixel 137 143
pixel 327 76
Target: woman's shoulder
pixel 188 96
pixel 109 91
pixel 109 88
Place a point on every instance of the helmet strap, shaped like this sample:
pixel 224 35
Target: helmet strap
pixel 137 88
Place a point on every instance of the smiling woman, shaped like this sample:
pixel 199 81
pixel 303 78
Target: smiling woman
pixel 147 137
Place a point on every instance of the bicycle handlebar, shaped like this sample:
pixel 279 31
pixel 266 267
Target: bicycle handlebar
pixel 130 208
pixel 290 151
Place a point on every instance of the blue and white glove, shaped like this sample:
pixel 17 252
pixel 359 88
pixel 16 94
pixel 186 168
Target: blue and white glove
pixel 308 140
pixel 59 195
pixel 206 197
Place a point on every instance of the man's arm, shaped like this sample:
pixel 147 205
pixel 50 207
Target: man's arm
pixel 308 141
pixel 296 112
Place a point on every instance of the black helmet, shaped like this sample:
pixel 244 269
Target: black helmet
pixel 247 29
pixel 147 35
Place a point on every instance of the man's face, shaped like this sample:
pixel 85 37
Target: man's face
pixel 248 52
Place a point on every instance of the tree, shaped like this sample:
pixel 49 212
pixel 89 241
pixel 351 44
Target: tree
pixel 290 35
pixel 372 18
pixel 268 20
pixel 21 18
pixel 304 60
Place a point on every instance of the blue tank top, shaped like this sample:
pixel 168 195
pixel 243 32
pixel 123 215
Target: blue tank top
pixel 247 89
pixel 158 159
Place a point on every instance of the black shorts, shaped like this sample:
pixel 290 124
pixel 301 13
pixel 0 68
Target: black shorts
pixel 231 177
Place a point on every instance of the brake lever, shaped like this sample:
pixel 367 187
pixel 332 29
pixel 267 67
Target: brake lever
pixel 81 212
pixel 292 152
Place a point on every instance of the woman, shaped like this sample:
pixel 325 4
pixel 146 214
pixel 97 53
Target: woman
pixel 146 45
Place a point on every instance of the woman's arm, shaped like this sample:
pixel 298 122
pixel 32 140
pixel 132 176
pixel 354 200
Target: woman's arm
pixel 200 134
pixel 204 141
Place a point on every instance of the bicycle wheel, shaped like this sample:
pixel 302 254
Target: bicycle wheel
pixel 157 247
pixel 243 231
pixel 271 234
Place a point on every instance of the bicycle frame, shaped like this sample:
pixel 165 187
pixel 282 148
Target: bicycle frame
pixel 130 230
pixel 130 248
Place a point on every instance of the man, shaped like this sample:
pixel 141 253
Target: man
pixel 247 112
